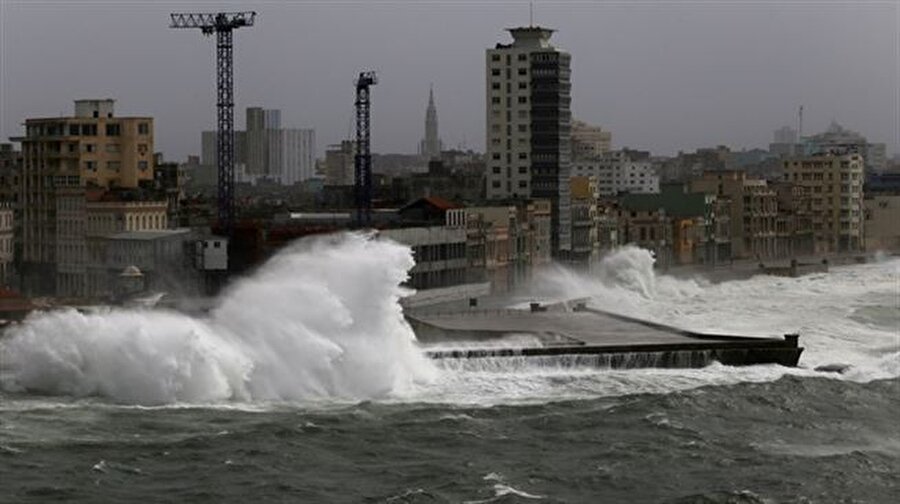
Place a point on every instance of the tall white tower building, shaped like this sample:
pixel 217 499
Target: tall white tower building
pixel 529 125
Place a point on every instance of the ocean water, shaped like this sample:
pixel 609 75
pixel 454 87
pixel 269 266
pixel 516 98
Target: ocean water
pixel 305 385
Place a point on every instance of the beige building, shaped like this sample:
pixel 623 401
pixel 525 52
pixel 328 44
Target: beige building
pixel 754 211
pixel 62 156
pixel 585 246
pixel 589 141
pixel 505 243
pixel 882 213
pixel 833 187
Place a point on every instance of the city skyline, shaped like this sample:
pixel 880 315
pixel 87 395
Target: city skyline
pixel 697 75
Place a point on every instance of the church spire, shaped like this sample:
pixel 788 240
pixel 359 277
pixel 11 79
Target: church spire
pixel 430 146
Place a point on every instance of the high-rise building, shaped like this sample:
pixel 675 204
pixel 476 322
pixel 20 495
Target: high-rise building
pixel 431 146
pixel 265 150
pixel 63 155
pixel 528 119
pixel 833 188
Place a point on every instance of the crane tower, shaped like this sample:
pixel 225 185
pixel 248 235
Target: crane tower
pixel 362 162
pixel 222 24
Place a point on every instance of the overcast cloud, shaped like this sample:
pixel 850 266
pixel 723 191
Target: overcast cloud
pixel 662 76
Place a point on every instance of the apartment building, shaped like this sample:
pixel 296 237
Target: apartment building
pixel 92 148
pixel 528 123
pixel 832 186
pixel 754 211
pixel 619 172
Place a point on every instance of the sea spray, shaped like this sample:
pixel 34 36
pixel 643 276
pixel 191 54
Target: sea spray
pixel 320 320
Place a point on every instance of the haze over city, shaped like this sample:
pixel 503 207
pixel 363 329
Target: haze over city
pixel 662 76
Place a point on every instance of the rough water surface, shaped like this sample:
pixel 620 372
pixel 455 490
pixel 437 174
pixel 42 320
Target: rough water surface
pixel 328 400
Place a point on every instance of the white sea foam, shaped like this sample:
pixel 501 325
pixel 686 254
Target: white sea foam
pixel 850 315
pixel 321 320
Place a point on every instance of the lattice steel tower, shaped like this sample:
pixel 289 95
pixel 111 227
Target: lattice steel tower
pixel 363 160
pixel 222 24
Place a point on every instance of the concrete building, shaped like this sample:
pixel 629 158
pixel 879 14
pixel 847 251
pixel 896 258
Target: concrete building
pixel 833 187
pixel 339 168
pixel 505 243
pixel 160 256
pixel 267 151
pixel 440 254
pixel 589 141
pixel 754 209
pixel 93 148
pixel 10 194
pixel 700 222
pixel 431 146
pixel 585 245
pixel 7 234
pixel 619 172
pixel 528 122
pixel 882 213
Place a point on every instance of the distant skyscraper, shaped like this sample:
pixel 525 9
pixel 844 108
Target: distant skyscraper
pixel 430 146
pixel 266 150
pixel 529 151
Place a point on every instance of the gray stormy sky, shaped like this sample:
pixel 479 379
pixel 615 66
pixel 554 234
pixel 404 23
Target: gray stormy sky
pixel 661 75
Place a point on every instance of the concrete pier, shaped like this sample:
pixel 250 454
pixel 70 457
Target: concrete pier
pixel 572 329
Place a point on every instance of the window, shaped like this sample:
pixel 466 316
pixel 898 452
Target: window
pixel 495 184
pixel 495 155
pixel 523 99
pixel 496 170
pixel 523 128
pixel 113 165
pixel 523 155
pixel 495 72
pixel 89 129
pixel 523 184
pixel 495 100
pixel 90 148
pixel 523 57
pixel 112 148
pixel 143 129
pixel 73 130
pixel 495 57
pixel 523 85
pixel 142 165
pixel 523 71
pixel 495 86
pixel 113 129
pixel 523 169
pixel 90 165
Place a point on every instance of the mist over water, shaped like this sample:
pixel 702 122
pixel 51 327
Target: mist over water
pixel 319 321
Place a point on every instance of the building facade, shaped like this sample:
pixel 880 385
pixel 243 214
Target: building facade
pixel 62 155
pixel 589 141
pixel 619 172
pixel 528 119
pixel 7 234
pixel 832 187
pixel 754 211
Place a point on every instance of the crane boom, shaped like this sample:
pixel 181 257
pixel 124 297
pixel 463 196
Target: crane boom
pixel 222 24
pixel 209 22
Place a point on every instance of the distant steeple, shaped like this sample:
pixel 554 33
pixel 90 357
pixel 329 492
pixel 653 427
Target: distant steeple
pixel 430 146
